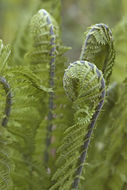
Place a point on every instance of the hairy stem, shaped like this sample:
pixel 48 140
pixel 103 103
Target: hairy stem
pixel 8 101
pixel 88 135
pixel 51 84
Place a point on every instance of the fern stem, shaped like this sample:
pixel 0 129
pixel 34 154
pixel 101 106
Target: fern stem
pixel 90 130
pixel 73 151
pixel 6 87
pixel 51 83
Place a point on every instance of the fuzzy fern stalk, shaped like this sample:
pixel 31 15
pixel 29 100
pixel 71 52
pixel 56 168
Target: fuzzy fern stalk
pixel 6 87
pixel 110 172
pixel 98 48
pixel 5 163
pixel 85 86
pixel 90 128
pixel 44 31
pixel 51 77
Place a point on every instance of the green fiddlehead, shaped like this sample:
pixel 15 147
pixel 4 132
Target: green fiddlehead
pixel 5 165
pixel 51 79
pixel 7 89
pixel 90 129
pixel 5 141
pixel 5 54
pixel 98 48
pixel 44 32
pixel 85 86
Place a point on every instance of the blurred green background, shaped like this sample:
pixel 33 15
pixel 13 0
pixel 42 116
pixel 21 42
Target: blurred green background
pixel 77 15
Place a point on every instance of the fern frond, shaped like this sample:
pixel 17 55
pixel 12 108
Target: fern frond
pixel 111 173
pixel 27 90
pixel 5 54
pixel 72 153
pixel 7 89
pixel 5 160
pixel 98 49
pixel 44 32
pixel 6 166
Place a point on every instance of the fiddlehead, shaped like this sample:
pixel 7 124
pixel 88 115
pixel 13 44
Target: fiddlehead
pixel 85 86
pixel 51 80
pixel 44 32
pixel 98 48
pixel 5 141
pixel 8 100
pixel 5 165
pixel 90 129
pixel 5 53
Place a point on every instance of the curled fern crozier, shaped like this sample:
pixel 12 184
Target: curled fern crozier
pixel 44 31
pixel 85 86
pixel 98 48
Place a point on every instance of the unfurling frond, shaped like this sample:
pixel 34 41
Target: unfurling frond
pixel 85 86
pixel 98 49
pixel 44 30
pixel 5 105
pixel 7 90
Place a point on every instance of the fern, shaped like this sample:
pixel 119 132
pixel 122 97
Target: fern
pixel 5 53
pixel 112 167
pixel 98 42
pixel 98 49
pixel 78 76
pixel 49 46
pixel 20 122
pixel 44 32
pixel 6 87
pixel 5 141
pixel 36 114
pixel 6 166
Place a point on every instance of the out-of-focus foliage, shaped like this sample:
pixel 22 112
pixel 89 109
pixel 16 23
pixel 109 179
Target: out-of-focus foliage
pixel 120 31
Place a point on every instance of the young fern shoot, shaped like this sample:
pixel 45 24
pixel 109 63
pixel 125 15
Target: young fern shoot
pixel 5 141
pixel 7 89
pixel 44 31
pixel 51 79
pixel 85 86
pixel 98 48
pixel 90 128
pixel 5 54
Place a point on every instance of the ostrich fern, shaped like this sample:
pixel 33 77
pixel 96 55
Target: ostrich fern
pixel 49 112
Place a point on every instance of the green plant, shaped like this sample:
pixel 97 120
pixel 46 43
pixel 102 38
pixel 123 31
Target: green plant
pixel 44 137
